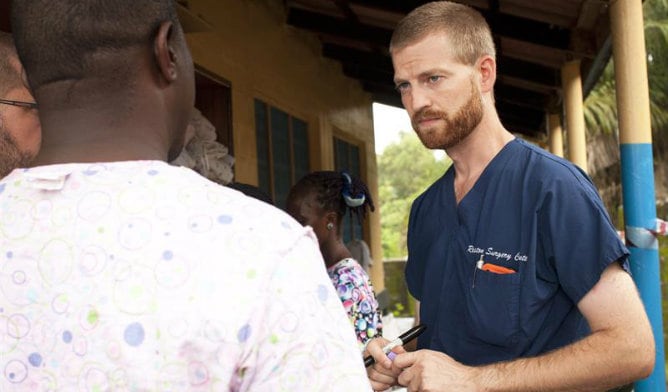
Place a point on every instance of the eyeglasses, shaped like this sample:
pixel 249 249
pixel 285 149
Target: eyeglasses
pixel 28 105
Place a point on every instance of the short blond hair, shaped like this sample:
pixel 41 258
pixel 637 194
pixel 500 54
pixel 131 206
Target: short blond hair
pixel 466 28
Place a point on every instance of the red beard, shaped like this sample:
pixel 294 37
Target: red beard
pixel 453 129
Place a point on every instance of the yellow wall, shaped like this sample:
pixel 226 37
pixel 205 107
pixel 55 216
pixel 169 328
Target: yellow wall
pixel 251 46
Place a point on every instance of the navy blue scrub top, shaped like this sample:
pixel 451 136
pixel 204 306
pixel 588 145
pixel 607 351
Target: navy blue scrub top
pixel 531 212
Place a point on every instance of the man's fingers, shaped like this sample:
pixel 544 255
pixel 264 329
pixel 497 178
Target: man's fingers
pixel 376 345
pixel 382 377
pixel 375 349
pixel 406 359
pixel 405 379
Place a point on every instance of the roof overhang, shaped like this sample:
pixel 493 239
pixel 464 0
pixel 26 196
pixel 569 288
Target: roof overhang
pixel 534 40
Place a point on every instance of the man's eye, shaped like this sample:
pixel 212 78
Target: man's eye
pixel 434 78
pixel 402 87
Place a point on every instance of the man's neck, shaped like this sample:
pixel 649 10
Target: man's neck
pixel 90 121
pixel 96 151
pixel 90 135
pixel 472 155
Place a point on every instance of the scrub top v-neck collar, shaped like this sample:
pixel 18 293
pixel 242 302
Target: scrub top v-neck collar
pixel 477 191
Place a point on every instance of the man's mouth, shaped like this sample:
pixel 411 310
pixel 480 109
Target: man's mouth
pixel 428 121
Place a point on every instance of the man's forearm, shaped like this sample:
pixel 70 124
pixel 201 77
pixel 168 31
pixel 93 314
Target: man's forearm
pixel 596 363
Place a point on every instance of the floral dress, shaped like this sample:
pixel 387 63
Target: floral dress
pixel 356 293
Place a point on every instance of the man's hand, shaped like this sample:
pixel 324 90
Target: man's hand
pixel 382 374
pixel 427 370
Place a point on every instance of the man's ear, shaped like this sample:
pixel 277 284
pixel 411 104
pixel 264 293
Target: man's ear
pixel 164 53
pixel 487 69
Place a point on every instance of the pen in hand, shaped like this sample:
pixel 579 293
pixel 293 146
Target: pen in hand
pixel 400 341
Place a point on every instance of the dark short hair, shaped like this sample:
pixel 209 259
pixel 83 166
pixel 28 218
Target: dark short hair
pixel 68 39
pixel 10 77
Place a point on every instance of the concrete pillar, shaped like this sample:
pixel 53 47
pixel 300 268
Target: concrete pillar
pixel 573 101
pixel 556 138
pixel 635 136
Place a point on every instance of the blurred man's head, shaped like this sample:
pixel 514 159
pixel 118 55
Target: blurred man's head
pixel 108 64
pixel 19 124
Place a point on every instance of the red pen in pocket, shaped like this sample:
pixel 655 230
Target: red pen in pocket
pixel 497 269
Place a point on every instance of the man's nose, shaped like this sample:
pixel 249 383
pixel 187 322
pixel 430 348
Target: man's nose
pixel 419 99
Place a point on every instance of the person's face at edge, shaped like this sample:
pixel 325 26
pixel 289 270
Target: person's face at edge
pixel 439 92
pixel 20 130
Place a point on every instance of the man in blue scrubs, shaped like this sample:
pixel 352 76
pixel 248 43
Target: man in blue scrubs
pixel 522 281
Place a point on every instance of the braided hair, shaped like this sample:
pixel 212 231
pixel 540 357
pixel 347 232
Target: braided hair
pixel 338 192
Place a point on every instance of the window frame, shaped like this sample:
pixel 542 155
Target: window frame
pixel 295 171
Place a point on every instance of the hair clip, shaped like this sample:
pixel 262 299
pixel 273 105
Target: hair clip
pixel 347 193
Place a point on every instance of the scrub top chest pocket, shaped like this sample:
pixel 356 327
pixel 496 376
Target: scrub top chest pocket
pixel 493 304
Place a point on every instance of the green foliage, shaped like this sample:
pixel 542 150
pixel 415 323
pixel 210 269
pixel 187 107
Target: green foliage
pixel 663 261
pixel 395 284
pixel 405 169
pixel 662 212
pixel 600 107
pixel 398 309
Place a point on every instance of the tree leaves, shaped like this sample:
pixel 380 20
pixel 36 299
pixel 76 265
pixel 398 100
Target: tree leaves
pixel 405 169
pixel 600 107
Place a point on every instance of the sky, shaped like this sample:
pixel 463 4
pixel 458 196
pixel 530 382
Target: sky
pixel 388 121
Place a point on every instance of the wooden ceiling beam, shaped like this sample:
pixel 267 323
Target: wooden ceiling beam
pixel 347 54
pixel 521 97
pixel 513 115
pixel 525 70
pixel 534 53
pixel 344 6
pixel 319 23
pixel 321 7
pixel 502 25
pixel 351 43
pixel 562 15
pixel 534 39
pixel 564 25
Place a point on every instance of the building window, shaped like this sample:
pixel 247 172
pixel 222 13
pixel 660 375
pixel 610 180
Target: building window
pixel 347 158
pixel 282 151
